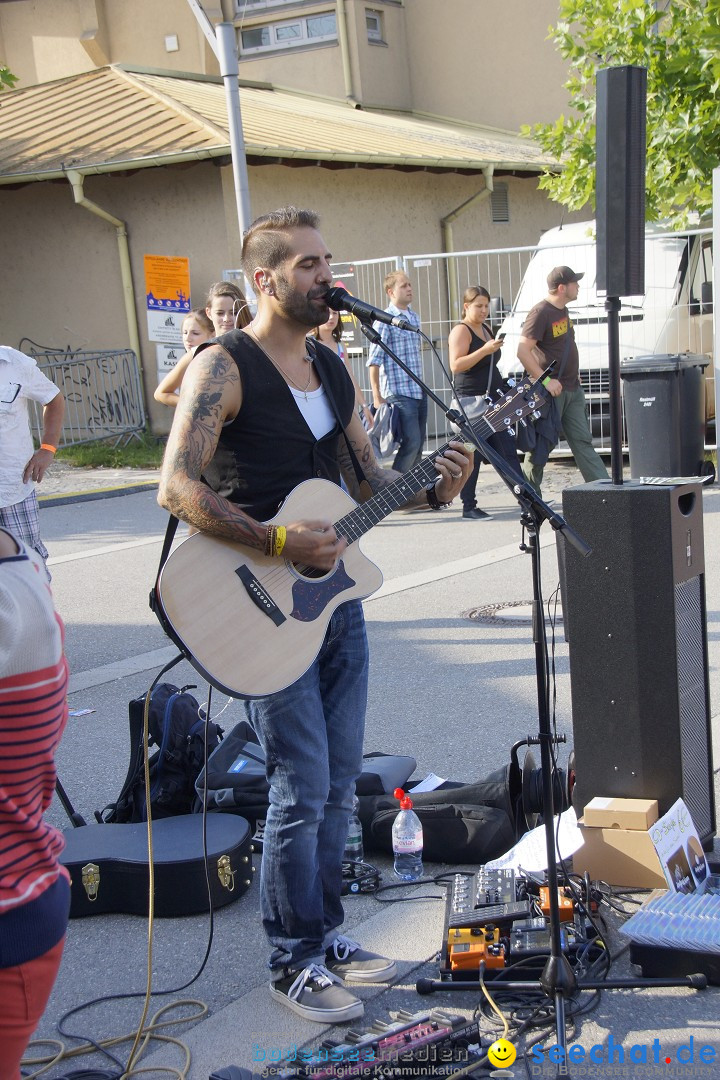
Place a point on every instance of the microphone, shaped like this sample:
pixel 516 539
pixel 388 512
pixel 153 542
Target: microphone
pixel 339 300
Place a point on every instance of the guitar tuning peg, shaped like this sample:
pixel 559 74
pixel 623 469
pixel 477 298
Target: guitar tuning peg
pixel 511 382
pixel 536 414
pixel 522 422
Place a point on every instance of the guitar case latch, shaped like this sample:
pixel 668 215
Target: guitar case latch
pixel 91 880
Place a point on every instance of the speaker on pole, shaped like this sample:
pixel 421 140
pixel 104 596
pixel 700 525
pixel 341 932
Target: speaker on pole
pixel 620 180
pixel 637 636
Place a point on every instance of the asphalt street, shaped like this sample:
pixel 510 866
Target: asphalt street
pixel 452 690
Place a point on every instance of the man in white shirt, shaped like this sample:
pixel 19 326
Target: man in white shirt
pixel 21 466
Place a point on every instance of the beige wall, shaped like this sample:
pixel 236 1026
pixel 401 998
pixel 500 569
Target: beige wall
pixel 484 61
pixel 65 288
pixel 41 40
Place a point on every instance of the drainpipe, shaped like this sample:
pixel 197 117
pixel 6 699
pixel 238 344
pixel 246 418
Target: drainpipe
pixel 76 181
pixel 447 235
pixel 345 53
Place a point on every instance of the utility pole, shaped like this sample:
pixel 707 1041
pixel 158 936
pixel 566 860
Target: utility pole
pixel 223 42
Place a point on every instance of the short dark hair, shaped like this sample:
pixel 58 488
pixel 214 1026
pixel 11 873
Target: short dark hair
pixel 266 243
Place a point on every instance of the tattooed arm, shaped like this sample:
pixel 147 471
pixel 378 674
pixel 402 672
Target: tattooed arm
pixel 211 394
pixel 454 467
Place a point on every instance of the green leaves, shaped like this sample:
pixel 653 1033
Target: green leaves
pixel 680 47
pixel 7 79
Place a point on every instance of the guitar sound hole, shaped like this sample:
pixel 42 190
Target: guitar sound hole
pixel 311 572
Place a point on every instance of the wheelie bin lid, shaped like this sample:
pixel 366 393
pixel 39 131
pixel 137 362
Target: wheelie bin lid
pixel 634 365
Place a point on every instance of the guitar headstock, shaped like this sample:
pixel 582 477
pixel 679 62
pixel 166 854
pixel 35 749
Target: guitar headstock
pixel 523 399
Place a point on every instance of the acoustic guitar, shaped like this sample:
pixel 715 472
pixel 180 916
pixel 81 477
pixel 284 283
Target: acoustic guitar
pixel 251 624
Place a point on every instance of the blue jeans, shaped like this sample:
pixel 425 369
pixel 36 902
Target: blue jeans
pixel 312 734
pixel 413 421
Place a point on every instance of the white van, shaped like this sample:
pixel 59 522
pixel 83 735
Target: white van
pixel 674 316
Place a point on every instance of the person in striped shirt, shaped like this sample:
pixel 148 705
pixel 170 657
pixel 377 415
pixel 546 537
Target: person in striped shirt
pixel 34 887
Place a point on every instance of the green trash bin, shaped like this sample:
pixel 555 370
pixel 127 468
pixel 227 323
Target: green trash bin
pixel 664 399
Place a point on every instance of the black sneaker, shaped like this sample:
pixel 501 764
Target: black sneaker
pixel 346 960
pixel 476 513
pixel 316 994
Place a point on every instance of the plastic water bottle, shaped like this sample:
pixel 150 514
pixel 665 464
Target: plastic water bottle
pixel 354 843
pixel 407 840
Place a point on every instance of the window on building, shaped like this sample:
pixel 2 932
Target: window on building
pixel 288 34
pixel 374 24
pixel 499 203
pixel 245 7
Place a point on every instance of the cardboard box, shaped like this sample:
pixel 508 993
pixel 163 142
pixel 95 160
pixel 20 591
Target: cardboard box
pixel 620 857
pixel 621 813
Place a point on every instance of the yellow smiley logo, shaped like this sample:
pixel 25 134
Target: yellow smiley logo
pixel 502 1053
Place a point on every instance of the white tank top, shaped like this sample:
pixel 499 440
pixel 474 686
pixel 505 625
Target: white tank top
pixel 316 410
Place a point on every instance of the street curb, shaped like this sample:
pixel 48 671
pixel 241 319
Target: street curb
pixel 97 493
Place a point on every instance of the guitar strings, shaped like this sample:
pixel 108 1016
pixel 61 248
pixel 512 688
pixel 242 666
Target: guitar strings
pixel 423 472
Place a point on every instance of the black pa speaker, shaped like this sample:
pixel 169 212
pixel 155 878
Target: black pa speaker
pixel 637 636
pixel 620 180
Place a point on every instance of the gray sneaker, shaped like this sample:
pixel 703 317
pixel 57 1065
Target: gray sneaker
pixel 350 963
pixel 317 994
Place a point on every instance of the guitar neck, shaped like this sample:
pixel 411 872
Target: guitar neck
pixel 513 406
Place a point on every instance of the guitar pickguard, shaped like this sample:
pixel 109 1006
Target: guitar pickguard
pixel 310 598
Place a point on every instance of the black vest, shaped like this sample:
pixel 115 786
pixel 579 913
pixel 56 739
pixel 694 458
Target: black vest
pixel 475 381
pixel 268 449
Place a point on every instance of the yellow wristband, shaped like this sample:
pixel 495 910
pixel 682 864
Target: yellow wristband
pixel 48 446
pixel 280 538
pixel 546 380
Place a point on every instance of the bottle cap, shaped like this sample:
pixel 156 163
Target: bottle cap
pixel 405 800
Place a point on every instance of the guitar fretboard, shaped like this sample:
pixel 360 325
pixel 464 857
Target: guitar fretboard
pixel 510 409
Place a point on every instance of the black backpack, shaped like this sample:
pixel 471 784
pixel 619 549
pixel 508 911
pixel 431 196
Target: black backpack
pixel 177 727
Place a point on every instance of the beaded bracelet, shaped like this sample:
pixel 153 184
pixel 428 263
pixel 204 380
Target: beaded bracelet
pixel 432 498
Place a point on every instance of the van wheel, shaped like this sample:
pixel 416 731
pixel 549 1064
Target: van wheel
pixel 708 469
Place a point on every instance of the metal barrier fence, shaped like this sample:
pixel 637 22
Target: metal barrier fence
pixel 674 316
pixel 102 391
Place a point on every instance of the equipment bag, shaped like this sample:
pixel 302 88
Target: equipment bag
pixel 178 728
pixel 452 833
pixel 237 781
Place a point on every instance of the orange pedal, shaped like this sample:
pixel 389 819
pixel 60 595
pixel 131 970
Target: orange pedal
pixel 565 904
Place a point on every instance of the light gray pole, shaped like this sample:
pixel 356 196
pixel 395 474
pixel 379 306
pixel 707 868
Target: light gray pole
pixel 229 69
pixel 223 42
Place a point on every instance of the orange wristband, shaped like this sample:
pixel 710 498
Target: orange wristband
pixel 48 446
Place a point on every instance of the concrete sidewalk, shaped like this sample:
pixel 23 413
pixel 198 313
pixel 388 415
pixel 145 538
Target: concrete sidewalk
pixel 455 691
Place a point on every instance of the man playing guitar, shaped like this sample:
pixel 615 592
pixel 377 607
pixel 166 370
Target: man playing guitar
pixel 256 417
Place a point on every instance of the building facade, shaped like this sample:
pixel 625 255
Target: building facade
pixel 391 118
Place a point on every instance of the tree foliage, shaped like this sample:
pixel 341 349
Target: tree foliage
pixel 678 41
pixel 7 79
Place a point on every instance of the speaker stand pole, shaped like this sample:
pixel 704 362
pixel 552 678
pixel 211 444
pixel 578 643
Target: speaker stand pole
pixel 558 979
pixel 612 306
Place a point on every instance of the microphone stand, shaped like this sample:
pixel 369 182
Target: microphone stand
pixel 558 980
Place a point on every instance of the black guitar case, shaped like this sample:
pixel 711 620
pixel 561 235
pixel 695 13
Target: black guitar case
pixel 108 865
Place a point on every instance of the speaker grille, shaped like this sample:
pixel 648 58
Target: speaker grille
pixel 693 706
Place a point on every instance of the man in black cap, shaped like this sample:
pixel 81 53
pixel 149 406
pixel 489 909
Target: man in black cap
pixel 547 336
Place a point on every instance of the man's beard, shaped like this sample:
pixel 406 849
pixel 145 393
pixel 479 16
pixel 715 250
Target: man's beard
pixel 298 305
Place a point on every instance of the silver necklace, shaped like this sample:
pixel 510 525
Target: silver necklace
pixel 309 360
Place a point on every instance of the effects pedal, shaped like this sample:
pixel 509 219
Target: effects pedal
pixel 532 938
pixel 484 947
pixel 565 904
pixel 470 900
